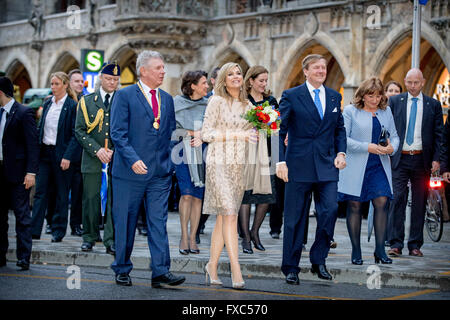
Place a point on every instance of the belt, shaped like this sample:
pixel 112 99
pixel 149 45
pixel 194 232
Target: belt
pixel 412 152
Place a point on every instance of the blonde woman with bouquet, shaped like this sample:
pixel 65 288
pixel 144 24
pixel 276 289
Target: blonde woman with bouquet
pixel 226 132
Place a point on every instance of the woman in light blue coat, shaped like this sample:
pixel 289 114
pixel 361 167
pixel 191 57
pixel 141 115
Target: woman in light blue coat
pixel 367 176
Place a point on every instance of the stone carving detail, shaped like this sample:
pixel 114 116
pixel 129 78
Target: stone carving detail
pixel 199 8
pixel 155 6
pixel 37 19
pixel 312 24
pixel 167 29
pixel 251 29
pixel 281 26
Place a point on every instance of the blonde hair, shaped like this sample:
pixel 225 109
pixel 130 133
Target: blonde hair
pixel 220 88
pixel 65 80
pixel 253 73
pixel 370 86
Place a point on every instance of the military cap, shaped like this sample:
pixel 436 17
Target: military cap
pixel 112 69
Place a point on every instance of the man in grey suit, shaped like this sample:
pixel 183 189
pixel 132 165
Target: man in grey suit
pixel 418 119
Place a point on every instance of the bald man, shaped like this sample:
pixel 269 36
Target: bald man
pixel 419 123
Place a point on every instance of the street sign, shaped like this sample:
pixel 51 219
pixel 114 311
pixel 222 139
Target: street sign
pixel 91 64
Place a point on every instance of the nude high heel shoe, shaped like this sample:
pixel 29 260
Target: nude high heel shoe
pixel 212 281
pixel 237 285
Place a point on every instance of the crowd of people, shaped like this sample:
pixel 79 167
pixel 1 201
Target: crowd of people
pixel 113 155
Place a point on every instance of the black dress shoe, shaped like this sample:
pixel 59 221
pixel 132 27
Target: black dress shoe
pixel 77 231
pixel 23 265
pixel 56 239
pixel 111 250
pixel 258 245
pixel 123 279
pixel 321 271
pixel 275 235
pixel 383 260
pixel 86 246
pixel 197 238
pixel 48 229
pixel 184 251
pixel 143 232
pixel 247 247
pixel 194 251
pixel 167 278
pixel 358 262
pixel 2 262
pixel 292 278
pixel 99 239
pixel 34 237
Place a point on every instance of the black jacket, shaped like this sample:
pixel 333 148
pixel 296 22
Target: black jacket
pixel 67 146
pixel 20 144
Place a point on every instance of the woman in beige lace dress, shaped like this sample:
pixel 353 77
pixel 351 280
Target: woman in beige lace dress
pixel 227 133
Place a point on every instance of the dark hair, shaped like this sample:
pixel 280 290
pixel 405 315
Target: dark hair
pixel 74 71
pixel 370 86
pixel 394 83
pixel 190 78
pixel 215 72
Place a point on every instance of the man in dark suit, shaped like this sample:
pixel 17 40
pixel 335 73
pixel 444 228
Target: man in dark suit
pixel 19 154
pixel 142 122
pixel 419 124
pixel 311 114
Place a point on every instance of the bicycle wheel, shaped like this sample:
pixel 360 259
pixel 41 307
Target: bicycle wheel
pixel 433 215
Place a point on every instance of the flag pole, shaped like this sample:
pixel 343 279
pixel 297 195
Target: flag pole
pixel 103 216
pixel 415 58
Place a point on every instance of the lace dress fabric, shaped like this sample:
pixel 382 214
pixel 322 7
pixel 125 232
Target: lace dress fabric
pixel 225 160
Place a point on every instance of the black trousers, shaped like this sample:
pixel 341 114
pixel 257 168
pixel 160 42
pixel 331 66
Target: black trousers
pixel 411 168
pixel 49 167
pixel 276 212
pixel 76 198
pixel 16 197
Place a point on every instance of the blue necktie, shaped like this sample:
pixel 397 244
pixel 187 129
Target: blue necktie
pixel 412 122
pixel 318 103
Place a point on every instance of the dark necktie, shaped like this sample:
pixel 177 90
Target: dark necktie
pixel 106 103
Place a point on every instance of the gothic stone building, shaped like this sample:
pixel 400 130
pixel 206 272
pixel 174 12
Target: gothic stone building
pixel 359 38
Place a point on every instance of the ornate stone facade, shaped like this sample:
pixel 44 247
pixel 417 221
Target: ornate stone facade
pixel 359 37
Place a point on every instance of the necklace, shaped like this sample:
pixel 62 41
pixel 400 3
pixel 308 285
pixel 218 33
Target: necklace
pixel 156 121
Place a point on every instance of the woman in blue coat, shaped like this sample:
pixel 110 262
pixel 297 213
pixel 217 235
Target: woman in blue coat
pixel 367 176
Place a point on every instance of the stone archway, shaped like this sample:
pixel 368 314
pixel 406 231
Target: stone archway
pixel 126 58
pixel 232 56
pixel 335 77
pixel 19 76
pixel 397 62
pixel 65 63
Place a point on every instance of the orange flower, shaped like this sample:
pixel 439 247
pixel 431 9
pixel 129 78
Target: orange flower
pixel 273 126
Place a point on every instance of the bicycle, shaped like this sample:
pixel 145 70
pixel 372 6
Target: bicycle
pixel 434 220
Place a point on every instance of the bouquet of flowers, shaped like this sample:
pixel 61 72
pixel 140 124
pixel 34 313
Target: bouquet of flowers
pixel 264 117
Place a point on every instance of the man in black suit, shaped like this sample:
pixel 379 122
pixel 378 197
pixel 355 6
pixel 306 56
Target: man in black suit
pixel 19 153
pixel 418 119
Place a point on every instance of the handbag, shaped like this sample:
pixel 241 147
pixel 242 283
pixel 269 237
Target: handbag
pixel 384 136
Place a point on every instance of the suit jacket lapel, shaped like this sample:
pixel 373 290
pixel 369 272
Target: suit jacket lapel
pixel 99 101
pixel 329 103
pixel 307 101
pixel 10 116
pixel 144 102
pixel 62 118
pixel 426 108
pixel 403 116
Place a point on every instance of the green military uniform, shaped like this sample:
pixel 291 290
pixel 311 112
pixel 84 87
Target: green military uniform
pixel 91 130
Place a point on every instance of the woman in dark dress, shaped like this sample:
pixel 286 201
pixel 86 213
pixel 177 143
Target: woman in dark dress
pixel 255 83
pixel 368 176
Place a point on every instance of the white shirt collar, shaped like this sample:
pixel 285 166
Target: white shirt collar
pixel 62 101
pixel 146 88
pixel 311 88
pixel 103 94
pixel 9 105
pixel 420 96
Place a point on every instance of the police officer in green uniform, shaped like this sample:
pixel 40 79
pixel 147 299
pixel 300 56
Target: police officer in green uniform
pixel 92 129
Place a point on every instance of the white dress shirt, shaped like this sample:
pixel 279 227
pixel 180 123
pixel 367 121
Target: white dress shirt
pixel 51 121
pixel 417 144
pixel 321 95
pixel 147 93
pixel 6 110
